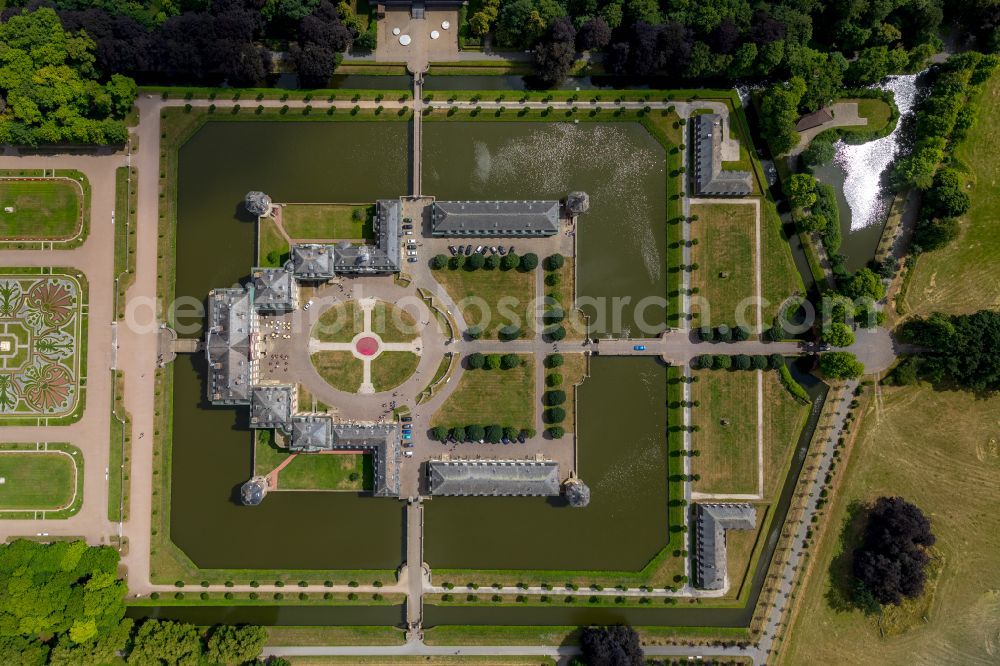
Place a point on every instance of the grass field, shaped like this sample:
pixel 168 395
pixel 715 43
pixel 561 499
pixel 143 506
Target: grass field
pixel 340 323
pixel 43 209
pixel 390 369
pixel 573 369
pixel 965 275
pixel 324 471
pixel 459 660
pixel 273 250
pixel 875 110
pixel 783 421
pixel 267 454
pixel 938 450
pixel 393 324
pixel 328 221
pixel 779 277
pixel 479 294
pixel 506 397
pixel 334 636
pixel 39 481
pixel 725 256
pixel 728 460
pixel 339 369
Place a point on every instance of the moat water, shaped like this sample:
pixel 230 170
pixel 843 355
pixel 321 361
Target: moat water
pixel 622 448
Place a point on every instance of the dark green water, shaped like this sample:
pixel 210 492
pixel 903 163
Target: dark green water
pixel 622 453
pixel 290 616
pixel 622 243
pixel 211 446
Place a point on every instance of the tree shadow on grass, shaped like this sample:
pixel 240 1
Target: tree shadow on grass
pixel 842 595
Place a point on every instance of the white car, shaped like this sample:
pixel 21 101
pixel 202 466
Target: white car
pixel 408 454
pixel 308 304
pixel 411 253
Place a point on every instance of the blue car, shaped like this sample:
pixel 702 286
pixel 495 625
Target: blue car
pixel 407 435
pixel 639 348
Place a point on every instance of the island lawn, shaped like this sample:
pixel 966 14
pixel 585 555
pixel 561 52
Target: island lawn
pixel 328 221
pixel 43 209
pixel 339 369
pixel 474 290
pixel 328 471
pixel 393 324
pixel 273 250
pixel 339 323
pixel 725 256
pixel 486 397
pixel 390 369
pixel 728 453
pixel 39 481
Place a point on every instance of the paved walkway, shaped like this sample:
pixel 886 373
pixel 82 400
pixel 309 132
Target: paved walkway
pixel 845 114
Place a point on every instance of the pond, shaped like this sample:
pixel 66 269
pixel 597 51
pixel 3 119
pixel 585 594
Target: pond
pixel 622 457
pixel 211 452
pixel 621 246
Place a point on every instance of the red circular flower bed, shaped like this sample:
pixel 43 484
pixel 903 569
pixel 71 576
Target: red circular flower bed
pixel 367 346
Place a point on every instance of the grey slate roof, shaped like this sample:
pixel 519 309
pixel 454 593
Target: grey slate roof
pixel 231 321
pixel 312 261
pixel 493 477
pixel 312 433
pixel 712 521
pixel 495 218
pixel 709 177
pixel 272 406
pixel 275 289
pixel 814 119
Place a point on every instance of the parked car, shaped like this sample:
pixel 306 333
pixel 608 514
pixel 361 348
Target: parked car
pixel 407 445
pixel 408 232
pixel 411 253
pixel 408 454
pixel 520 437
pixel 639 347
pixel 479 249
pixel 308 304
pixel 505 440
pixel 502 250
pixel 451 248
pixel 510 250
pixel 824 346
pixel 468 250
pixel 493 249
pixel 407 435
pixel 407 226
pixel 406 419
pixel 413 260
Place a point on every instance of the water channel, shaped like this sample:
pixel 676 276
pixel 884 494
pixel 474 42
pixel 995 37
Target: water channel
pixel 622 409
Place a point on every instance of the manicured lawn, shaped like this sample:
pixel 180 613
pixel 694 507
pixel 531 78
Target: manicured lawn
pixel 334 636
pixel 328 221
pixel 564 293
pixel 476 291
pixel 779 277
pixel 783 421
pixel 728 460
pixel 339 369
pixel 875 110
pixel 725 257
pixel 42 208
pixel 939 451
pixel 740 545
pixel 965 275
pixel 390 369
pixel 572 370
pixel 328 471
pixel 340 323
pixel 273 251
pixel 506 397
pixel 393 324
pixel 267 454
pixel 40 481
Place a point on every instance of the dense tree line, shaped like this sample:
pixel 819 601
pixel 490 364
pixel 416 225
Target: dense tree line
pixel 616 645
pixel 50 91
pixel 960 350
pixel 890 564
pixel 63 603
pixel 215 41
pixel 824 45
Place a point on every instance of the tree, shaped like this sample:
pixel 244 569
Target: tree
pixel 934 233
pixel 616 645
pixel 554 262
pixel 509 261
pixel 456 262
pixel 776 361
pixel 742 362
pixel 741 333
pixel 236 645
pixel 892 558
pixel 459 434
pixel 509 332
pixel 840 365
pixel 779 111
pixel 165 642
pixel 29 652
pixel 864 284
pixel 475 360
pixel 961 349
pixel 493 361
pixel 947 196
pixel 440 433
pixel 759 362
pixel 722 362
pixel 801 190
pixel 554 398
pixel 556 334
pixel 821 149
pixel 838 335
pixel 706 334
pixel 594 34
pixel 554 415
pixel 475 261
pixel 474 332
pixel 439 261
pixel 508 361
pixel 492 262
pixel 494 434
pixel 529 262
pixel 510 432
pixel 554 379
pixel 553 360
pixel 475 433
pixel 706 361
